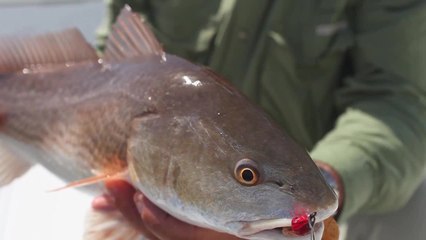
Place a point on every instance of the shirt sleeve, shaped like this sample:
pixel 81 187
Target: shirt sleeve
pixel 378 144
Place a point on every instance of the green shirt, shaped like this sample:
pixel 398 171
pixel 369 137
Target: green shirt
pixel 346 79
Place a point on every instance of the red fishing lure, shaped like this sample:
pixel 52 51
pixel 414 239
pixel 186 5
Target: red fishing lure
pixel 303 224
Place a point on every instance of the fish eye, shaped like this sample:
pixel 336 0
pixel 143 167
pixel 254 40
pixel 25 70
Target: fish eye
pixel 246 172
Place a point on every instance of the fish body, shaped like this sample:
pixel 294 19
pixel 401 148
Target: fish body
pixel 72 125
pixel 188 140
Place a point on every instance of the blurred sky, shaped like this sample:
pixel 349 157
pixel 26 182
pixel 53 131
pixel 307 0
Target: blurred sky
pixel 27 211
pixel 27 19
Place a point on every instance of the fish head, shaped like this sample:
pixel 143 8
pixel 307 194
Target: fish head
pixel 210 157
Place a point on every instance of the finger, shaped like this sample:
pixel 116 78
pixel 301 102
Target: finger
pixel 331 229
pixel 103 203
pixel 161 224
pixel 166 227
pixel 122 193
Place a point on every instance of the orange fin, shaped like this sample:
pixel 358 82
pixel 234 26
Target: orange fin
pixel 109 225
pixel 93 180
pixel 131 37
pixel 51 49
pixel 11 166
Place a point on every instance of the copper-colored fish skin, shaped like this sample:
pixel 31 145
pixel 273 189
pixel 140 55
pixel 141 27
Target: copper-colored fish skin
pixel 82 119
pixel 204 121
pixel 83 111
pixel 2 118
pixel 178 128
pixel 89 108
pixel 3 115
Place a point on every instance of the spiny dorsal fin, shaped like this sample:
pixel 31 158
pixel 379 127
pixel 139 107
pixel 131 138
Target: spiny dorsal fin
pixel 130 37
pixel 68 46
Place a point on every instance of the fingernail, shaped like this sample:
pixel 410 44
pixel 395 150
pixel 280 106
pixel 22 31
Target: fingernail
pixel 138 198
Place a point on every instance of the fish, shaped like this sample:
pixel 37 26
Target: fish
pixel 178 132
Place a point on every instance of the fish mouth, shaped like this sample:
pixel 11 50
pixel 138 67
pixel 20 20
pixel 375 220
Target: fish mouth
pixel 279 229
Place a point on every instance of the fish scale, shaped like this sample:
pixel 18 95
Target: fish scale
pixel 176 131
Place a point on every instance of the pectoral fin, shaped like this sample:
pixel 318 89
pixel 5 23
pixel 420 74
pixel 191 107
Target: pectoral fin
pixel 93 180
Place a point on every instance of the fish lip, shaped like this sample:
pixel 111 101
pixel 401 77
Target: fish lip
pixel 318 231
pixel 253 228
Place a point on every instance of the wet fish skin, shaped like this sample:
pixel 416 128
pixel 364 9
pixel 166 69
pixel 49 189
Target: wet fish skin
pixel 76 125
pixel 210 127
pixel 179 129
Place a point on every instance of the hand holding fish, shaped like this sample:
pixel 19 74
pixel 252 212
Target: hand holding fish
pixel 155 224
pixel 178 132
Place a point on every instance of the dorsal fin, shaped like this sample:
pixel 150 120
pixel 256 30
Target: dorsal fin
pixel 131 37
pixel 68 46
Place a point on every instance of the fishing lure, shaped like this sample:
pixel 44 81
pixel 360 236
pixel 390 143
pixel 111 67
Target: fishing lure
pixel 304 224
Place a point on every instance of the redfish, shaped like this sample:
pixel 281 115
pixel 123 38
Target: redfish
pixel 178 132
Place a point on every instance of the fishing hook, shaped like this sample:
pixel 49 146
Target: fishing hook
pixel 311 224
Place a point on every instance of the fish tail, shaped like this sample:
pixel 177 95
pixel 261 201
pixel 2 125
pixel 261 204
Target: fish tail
pixel 11 166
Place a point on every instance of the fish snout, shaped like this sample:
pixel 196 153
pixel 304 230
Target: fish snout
pixel 325 207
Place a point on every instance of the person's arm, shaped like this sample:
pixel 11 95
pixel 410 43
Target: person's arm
pixel 379 142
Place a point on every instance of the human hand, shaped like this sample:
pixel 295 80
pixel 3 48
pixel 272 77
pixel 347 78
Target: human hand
pixel 331 229
pixel 335 181
pixel 153 223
